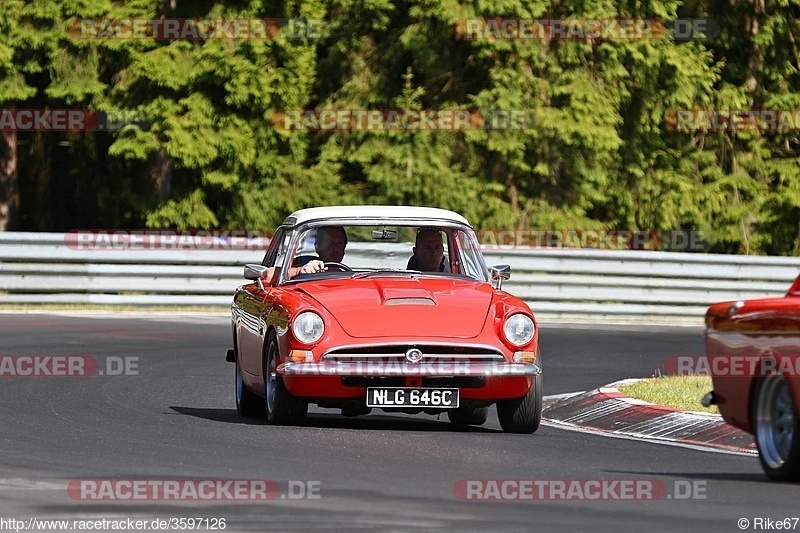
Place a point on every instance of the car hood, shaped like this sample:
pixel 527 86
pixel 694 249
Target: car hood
pixel 416 306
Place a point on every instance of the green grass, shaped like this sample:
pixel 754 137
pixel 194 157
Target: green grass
pixel 680 392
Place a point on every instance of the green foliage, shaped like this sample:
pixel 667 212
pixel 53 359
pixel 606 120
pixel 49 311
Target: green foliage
pixel 190 212
pixel 595 149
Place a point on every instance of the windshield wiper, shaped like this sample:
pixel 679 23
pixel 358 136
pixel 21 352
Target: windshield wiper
pixel 384 271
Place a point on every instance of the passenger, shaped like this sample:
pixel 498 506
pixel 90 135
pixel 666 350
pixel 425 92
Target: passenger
pixel 428 251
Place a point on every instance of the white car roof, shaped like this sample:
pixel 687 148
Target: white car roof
pixel 376 212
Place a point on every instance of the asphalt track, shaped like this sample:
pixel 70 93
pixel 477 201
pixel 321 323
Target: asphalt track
pixel 176 420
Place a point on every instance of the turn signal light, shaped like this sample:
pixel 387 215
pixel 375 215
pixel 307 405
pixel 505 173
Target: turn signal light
pixel 524 357
pixel 301 356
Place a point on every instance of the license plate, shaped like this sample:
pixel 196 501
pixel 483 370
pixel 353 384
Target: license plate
pixel 412 397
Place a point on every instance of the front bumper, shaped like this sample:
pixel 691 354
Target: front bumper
pixel 381 368
pixel 329 380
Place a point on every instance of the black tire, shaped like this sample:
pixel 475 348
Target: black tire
pixel 522 415
pixel 247 403
pixel 468 416
pixel 776 426
pixel 282 407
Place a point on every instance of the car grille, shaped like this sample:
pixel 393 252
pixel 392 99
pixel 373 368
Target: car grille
pixel 431 353
pixel 373 381
pixel 461 382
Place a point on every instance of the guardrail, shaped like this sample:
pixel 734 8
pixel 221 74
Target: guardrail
pixel 560 283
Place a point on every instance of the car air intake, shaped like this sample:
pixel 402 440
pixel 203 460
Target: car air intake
pixel 409 301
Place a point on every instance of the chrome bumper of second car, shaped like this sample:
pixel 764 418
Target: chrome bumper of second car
pixel 392 368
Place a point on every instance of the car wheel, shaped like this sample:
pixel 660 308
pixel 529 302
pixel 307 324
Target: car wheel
pixel 283 408
pixel 522 415
pixel 468 416
pixel 247 403
pixel 777 429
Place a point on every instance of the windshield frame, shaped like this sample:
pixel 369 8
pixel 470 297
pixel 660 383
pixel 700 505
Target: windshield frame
pixel 454 247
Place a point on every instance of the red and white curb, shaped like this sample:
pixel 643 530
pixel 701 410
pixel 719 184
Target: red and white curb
pixel 607 411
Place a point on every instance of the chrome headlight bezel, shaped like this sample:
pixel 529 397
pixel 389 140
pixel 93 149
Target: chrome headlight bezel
pixel 308 327
pixel 519 329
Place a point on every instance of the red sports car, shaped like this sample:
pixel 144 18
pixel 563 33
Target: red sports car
pixel 754 351
pixel 364 307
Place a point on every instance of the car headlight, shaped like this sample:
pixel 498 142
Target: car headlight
pixel 519 329
pixel 308 327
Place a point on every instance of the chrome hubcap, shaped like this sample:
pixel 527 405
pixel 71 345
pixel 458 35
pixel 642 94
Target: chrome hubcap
pixel 775 422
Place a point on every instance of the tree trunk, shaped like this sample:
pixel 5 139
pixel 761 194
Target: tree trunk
pixel 161 175
pixel 9 192
pixel 755 59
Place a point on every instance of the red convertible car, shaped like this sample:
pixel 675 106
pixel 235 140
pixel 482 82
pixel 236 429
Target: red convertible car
pixel 754 349
pixel 364 307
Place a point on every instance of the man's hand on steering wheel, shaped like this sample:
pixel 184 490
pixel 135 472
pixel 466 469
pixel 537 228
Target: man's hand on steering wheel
pixel 339 266
pixel 312 267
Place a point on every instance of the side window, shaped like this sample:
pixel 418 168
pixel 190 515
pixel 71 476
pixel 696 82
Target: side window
pixel 278 244
pixel 469 264
pixel 305 245
pixel 283 248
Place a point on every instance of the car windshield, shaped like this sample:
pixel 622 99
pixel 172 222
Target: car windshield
pixel 380 250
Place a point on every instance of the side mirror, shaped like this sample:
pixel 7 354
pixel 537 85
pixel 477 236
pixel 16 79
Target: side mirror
pixel 499 273
pixel 254 272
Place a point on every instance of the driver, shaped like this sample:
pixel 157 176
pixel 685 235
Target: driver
pixel 330 243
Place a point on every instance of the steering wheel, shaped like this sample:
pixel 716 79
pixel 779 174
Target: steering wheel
pixel 341 267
